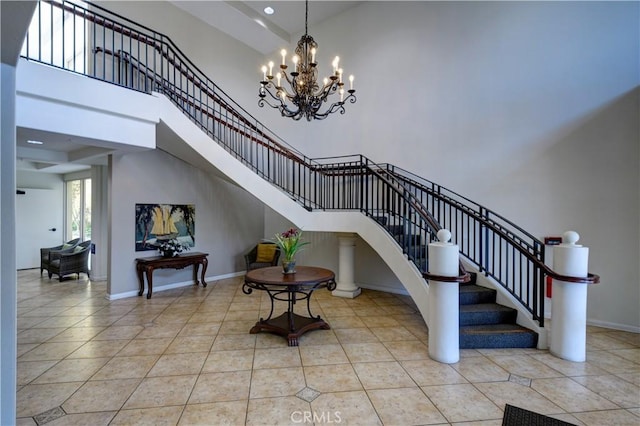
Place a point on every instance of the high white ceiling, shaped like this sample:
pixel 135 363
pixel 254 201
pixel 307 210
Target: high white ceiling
pixel 245 21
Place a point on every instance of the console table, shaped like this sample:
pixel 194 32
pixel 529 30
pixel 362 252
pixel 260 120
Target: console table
pixel 146 266
pixel 289 288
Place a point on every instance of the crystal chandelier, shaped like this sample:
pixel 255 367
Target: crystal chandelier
pixel 305 96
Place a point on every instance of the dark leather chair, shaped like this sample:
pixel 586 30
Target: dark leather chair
pixel 70 262
pixel 45 253
pixel 262 255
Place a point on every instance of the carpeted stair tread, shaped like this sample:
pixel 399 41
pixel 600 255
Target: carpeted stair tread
pixel 472 293
pixel 486 313
pixel 497 336
pixel 494 328
pixel 485 307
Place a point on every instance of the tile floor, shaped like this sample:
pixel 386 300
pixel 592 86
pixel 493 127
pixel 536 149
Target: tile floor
pixel 186 357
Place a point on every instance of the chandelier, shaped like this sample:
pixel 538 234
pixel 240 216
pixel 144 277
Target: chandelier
pixel 305 96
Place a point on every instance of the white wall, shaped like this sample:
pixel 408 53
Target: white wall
pixel 228 220
pixel 529 108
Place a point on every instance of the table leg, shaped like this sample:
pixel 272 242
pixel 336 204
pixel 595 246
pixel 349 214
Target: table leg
pixel 195 273
pixel 292 303
pixel 140 270
pixel 205 263
pixel 149 281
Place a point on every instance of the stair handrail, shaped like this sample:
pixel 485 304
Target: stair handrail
pixel 482 215
pixel 317 176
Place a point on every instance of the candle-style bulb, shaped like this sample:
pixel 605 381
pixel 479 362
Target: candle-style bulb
pixel 270 68
pixel 264 73
pixel 284 56
pixel 351 82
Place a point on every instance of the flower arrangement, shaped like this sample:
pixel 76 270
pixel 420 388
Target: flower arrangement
pixel 172 247
pixel 290 243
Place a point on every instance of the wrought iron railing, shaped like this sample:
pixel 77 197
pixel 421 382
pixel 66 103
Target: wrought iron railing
pixel 114 49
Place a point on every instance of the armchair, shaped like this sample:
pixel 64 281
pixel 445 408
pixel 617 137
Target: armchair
pixel 262 256
pixel 45 253
pixel 70 262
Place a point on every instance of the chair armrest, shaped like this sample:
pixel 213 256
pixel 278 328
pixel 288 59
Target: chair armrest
pixel 44 251
pixel 55 254
pixel 71 257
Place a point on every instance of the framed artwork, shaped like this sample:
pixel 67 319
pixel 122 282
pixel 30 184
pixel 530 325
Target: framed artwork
pixel 158 222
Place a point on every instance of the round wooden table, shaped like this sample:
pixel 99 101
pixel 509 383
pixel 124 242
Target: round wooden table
pixel 289 288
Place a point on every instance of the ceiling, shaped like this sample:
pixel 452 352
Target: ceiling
pixel 245 21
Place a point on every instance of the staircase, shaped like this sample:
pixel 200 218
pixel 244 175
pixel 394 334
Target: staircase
pixel 409 207
pixel 486 324
pixel 483 322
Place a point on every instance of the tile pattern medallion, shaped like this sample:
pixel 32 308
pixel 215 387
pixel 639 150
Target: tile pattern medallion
pixel 186 357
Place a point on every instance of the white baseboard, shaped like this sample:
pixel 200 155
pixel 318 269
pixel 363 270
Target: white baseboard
pixel 383 288
pixel 156 289
pixel 612 325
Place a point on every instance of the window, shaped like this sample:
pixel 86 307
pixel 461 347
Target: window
pixel 57 36
pixel 78 209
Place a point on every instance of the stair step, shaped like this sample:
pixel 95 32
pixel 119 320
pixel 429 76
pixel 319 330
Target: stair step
pixel 471 293
pixel 497 336
pixel 395 229
pixel 382 220
pixel 486 313
pixel 413 240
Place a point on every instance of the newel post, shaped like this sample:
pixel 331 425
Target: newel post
pixel 443 303
pixel 569 309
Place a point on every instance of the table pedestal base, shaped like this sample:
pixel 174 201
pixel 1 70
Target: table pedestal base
pixel 281 325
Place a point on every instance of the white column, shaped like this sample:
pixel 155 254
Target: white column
pixel 443 303
pixel 569 310
pixel 346 287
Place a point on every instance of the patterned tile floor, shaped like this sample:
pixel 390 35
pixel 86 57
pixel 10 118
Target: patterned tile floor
pixel 186 357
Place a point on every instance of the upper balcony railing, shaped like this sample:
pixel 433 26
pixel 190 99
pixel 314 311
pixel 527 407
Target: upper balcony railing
pixel 92 41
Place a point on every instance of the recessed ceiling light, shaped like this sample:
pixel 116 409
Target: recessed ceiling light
pixel 35 142
pixel 269 10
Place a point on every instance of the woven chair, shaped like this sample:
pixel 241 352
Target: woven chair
pixel 74 262
pixel 45 253
pixel 262 255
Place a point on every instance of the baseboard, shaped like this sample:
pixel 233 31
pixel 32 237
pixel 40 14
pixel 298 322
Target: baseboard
pixel 383 288
pixel 156 289
pixel 612 325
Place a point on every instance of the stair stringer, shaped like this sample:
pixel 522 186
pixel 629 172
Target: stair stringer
pixel 505 298
pixel 189 143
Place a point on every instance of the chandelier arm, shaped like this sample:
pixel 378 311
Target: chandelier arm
pixel 262 102
pixel 265 101
pixel 270 86
pixel 265 89
pixel 351 98
pixel 287 79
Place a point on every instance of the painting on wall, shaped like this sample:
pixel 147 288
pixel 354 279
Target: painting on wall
pixel 160 222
